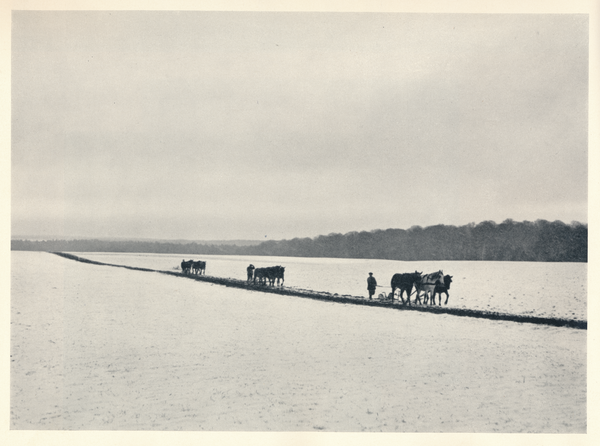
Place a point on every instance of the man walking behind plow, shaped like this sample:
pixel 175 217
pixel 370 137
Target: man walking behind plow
pixel 371 285
pixel 250 272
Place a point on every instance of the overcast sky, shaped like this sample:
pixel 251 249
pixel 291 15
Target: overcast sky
pixel 241 125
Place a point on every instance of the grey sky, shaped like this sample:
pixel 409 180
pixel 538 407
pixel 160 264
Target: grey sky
pixel 214 125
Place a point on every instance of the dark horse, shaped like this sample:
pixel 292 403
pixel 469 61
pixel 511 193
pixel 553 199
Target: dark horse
pixel 186 266
pixel 405 282
pixel 261 274
pixel 199 267
pixel 439 289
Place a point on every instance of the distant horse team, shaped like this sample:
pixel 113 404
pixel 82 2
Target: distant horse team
pixel 193 267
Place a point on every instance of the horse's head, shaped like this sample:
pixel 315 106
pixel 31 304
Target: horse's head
pixel 439 277
pixel 447 281
pixel 416 276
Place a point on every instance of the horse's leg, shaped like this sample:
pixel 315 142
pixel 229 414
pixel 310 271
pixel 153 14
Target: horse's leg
pixel 418 296
pixel 447 296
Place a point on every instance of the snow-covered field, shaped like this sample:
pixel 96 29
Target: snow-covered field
pixel 530 288
pixel 103 348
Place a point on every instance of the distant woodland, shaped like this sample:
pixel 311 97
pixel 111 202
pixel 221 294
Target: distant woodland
pixel 539 241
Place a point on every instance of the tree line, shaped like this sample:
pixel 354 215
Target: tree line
pixel 539 241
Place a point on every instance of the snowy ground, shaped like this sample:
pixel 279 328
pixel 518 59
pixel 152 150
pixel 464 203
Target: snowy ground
pixel 103 348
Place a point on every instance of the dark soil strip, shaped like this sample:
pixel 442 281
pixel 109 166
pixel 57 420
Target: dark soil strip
pixel 347 299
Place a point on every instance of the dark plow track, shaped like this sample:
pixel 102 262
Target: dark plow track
pixel 355 300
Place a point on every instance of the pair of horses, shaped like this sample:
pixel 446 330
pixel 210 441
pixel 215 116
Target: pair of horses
pixel 429 284
pixel 195 267
pixel 270 274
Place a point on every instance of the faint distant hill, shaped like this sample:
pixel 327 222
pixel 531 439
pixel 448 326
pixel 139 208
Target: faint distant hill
pixel 40 238
pixel 217 242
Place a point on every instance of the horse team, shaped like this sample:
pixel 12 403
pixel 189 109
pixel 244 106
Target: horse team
pixel 269 274
pixel 428 284
pixel 193 267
